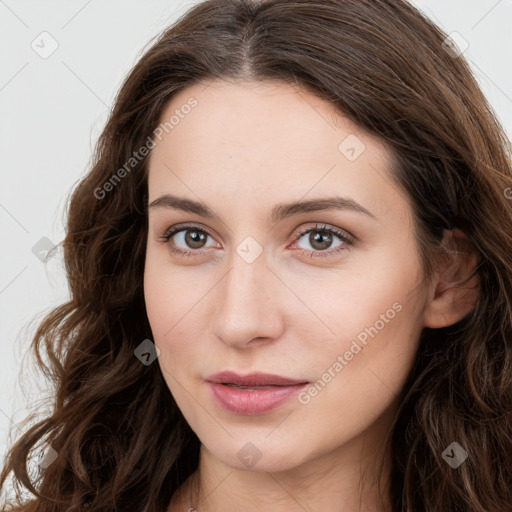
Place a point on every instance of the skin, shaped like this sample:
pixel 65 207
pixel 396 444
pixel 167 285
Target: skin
pixel 246 147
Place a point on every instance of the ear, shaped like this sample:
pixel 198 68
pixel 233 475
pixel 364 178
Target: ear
pixel 450 297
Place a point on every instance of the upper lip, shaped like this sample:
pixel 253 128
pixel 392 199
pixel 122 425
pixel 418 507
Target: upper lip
pixel 252 379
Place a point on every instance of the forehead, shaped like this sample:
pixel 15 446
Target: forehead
pixel 254 141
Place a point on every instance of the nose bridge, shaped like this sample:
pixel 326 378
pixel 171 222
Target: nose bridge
pixel 247 307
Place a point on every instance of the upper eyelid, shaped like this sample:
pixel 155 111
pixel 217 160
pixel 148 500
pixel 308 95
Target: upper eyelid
pixel 182 227
pixel 327 227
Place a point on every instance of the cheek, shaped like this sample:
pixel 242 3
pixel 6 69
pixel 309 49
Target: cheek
pixel 357 373
pixel 374 315
pixel 155 296
pixel 169 292
pixel 162 306
pixel 175 302
pixel 174 307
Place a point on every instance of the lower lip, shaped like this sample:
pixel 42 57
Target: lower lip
pixel 253 401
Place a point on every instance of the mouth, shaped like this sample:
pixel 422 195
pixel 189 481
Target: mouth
pixel 252 394
pixel 248 387
pixel 256 380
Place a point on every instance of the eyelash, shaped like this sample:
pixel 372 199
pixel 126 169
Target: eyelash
pixel 345 238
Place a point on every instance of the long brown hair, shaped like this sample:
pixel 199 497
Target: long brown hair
pixel 121 441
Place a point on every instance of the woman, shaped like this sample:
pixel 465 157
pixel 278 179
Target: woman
pixel 291 276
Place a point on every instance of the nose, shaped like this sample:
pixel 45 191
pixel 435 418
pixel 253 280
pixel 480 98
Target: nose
pixel 249 305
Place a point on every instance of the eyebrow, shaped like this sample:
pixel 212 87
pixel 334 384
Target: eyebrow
pixel 279 212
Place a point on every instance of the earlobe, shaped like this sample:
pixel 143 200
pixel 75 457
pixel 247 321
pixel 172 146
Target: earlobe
pixel 452 296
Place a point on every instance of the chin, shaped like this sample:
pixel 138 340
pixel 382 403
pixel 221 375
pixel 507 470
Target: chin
pixel 259 456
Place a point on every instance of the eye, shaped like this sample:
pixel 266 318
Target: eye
pixel 321 238
pixel 190 236
pixel 192 239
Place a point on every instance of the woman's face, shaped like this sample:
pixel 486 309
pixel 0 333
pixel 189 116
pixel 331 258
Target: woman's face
pixel 263 284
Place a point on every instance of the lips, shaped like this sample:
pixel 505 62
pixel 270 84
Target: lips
pixel 252 394
pixel 252 380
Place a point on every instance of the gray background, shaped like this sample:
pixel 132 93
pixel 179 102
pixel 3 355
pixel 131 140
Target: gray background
pixel 53 109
